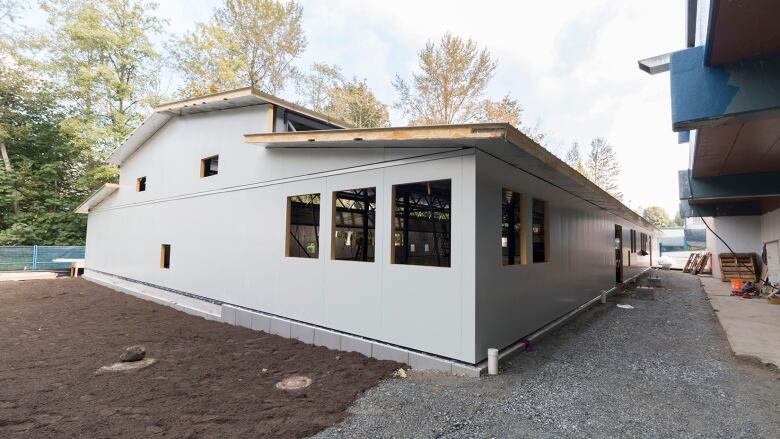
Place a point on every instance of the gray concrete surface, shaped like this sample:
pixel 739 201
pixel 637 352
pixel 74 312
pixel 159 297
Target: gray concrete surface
pixel 662 369
pixel 752 326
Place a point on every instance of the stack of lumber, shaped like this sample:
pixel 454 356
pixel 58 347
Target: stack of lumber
pixel 738 266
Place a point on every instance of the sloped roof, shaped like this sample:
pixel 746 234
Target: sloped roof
pixel 500 140
pixel 97 197
pixel 243 97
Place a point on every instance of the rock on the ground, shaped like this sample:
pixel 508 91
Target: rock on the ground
pixel 133 353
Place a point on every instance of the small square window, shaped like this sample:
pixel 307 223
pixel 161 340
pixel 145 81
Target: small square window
pixel 140 184
pixel 209 166
pixel 165 256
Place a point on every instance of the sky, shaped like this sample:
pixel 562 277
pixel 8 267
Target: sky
pixel 572 64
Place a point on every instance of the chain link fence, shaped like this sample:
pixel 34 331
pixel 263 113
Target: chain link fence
pixel 38 257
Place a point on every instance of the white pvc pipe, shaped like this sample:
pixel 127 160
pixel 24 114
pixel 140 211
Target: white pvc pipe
pixel 492 361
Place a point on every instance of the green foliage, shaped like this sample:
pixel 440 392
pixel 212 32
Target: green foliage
pixel 40 190
pixel 658 216
pixel 325 90
pixel 246 43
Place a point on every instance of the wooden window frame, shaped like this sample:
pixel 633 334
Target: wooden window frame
pixel 287 229
pixel 138 184
pixel 333 199
pixel 203 166
pixel 165 256
pixel 522 234
pixel 393 206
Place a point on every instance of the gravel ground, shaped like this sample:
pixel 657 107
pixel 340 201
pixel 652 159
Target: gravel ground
pixel 663 369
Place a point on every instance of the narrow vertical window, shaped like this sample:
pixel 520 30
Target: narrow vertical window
pixel 512 230
pixel 303 226
pixel 421 223
pixel 165 256
pixel 140 184
pixel 354 217
pixel 209 166
pixel 632 242
pixel 540 231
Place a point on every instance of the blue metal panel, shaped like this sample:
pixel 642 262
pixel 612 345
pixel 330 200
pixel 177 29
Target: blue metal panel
pixel 704 96
pixel 728 186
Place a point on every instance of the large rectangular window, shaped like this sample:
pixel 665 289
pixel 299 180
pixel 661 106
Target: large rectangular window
pixel 209 166
pixel 303 226
pixel 354 217
pixel 540 231
pixel 512 229
pixel 421 223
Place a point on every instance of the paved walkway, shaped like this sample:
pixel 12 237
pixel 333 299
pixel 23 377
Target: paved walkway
pixel 662 369
pixel 752 325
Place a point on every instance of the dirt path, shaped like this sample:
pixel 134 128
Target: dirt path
pixel 211 379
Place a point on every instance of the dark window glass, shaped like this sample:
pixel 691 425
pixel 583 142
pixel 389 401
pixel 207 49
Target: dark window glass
pixel 421 223
pixel 209 166
pixel 140 184
pixel 539 230
pixel 512 236
pixel 165 256
pixel 303 226
pixel 353 224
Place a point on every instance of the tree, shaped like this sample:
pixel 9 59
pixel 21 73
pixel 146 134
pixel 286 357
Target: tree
pixel 355 103
pixel 246 43
pixel 316 87
pixel 506 110
pixel 454 76
pixel 38 196
pixel 602 166
pixel 657 215
pixel 574 159
pixel 324 89
pixel 103 59
pixel 678 220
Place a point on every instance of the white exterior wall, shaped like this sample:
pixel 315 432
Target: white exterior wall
pixel 227 233
pixel 515 300
pixel 742 233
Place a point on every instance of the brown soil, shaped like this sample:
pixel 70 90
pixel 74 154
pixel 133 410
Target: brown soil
pixel 208 380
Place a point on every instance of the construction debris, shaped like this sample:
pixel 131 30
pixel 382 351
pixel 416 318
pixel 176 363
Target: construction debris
pixel 133 353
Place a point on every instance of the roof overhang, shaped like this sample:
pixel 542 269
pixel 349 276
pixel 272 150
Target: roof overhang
pixel 743 29
pixel 97 197
pixel 499 140
pixel 244 97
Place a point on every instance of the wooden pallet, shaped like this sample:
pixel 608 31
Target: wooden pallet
pixel 689 264
pixel 702 264
pixel 743 266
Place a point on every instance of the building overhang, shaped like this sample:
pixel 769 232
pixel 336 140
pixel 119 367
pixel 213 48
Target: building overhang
pixel 705 96
pixel 738 30
pixel 97 197
pixel 500 140
pixel 728 195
